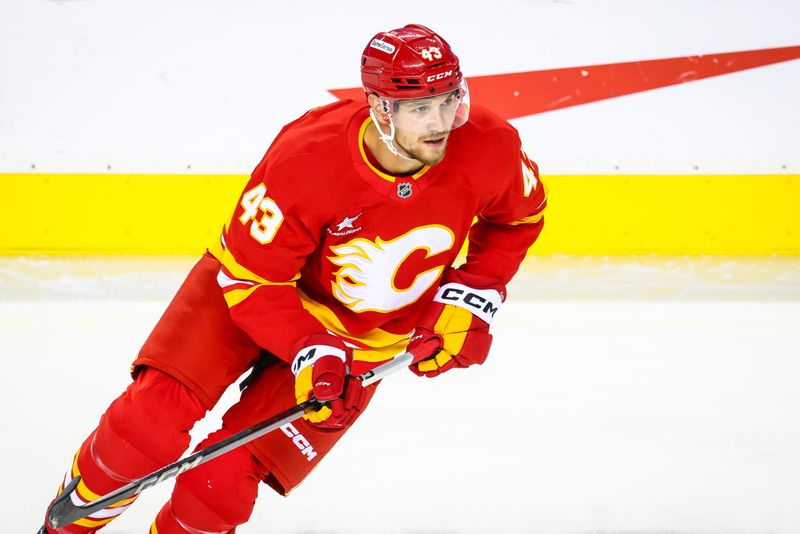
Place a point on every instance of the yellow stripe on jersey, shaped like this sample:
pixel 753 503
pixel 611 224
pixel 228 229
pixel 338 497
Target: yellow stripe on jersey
pixel 239 272
pixel 235 296
pixel 382 345
pixel 153 528
pixel 528 220
pixel 243 273
pixel 216 249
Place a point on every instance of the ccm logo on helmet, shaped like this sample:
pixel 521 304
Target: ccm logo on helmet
pixel 440 76
pixel 482 303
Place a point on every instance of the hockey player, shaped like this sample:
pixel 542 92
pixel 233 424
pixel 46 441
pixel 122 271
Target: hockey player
pixel 337 257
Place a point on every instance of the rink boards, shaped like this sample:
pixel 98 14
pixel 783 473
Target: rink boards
pixel 587 214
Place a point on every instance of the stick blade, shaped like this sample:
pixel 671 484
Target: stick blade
pixel 63 508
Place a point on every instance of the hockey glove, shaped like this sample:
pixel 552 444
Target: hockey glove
pixel 321 368
pixel 454 328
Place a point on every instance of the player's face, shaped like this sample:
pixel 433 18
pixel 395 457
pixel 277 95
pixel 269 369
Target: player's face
pixel 423 126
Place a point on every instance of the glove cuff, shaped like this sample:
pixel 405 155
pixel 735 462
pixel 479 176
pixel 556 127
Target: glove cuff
pixel 482 303
pixel 315 347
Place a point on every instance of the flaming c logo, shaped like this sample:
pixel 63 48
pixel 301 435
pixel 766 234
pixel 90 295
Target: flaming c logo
pixel 366 278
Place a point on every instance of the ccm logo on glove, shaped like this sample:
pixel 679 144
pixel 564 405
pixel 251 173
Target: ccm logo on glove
pixel 308 356
pixel 321 368
pixel 482 303
pixel 454 329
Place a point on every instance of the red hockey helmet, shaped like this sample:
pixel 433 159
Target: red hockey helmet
pixel 410 62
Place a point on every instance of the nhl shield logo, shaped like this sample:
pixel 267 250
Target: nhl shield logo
pixel 404 189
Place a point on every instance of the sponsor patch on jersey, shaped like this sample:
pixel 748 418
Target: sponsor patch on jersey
pixel 345 227
pixel 383 46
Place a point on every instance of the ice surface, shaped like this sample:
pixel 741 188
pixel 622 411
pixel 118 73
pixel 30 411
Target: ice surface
pixel 623 395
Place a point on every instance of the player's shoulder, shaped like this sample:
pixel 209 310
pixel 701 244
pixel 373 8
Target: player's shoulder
pixel 485 125
pixel 319 130
pixel 311 149
pixel 486 141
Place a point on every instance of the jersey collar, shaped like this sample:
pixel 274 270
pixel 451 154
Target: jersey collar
pixel 388 177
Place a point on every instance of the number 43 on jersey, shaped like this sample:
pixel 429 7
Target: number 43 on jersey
pixel 264 213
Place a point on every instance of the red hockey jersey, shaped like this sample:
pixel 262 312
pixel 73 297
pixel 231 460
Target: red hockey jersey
pixel 323 240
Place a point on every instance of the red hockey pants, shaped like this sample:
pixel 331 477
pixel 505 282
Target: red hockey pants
pixel 193 354
pixel 146 428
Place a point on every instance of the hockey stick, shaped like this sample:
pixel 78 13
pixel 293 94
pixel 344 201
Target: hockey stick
pixel 67 508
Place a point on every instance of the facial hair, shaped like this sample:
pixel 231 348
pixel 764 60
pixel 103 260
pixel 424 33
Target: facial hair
pixel 419 154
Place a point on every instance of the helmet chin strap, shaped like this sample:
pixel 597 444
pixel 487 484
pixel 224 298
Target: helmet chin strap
pixel 388 140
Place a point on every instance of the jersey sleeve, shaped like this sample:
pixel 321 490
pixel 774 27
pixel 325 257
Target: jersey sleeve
pixel 263 249
pixel 510 222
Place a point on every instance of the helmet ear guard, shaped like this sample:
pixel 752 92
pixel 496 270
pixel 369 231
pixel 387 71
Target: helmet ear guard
pixel 380 108
pixel 386 110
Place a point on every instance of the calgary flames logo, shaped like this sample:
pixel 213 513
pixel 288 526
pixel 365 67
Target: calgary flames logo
pixel 366 278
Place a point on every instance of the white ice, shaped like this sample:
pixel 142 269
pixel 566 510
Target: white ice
pixel 629 395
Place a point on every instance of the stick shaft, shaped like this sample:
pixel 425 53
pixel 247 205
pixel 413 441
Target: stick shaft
pixel 67 509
